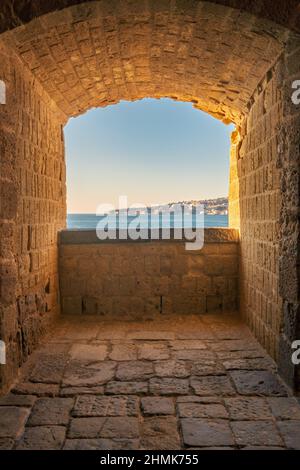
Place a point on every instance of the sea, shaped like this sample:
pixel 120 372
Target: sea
pixel 90 221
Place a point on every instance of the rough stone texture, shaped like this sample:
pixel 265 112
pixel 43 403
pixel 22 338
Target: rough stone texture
pixel 106 406
pixel 42 438
pixel 285 13
pixel 252 408
pixel 290 431
pixel 266 178
pixel 260 200
pixel 98 53
pixel 157 406
pixel 262 433
pixel 212 385
pixel 249 364
pixel 12 421
pixel 123 352
pixel 39 389
pixel 152 412
pixel 17 400
pixel 160 433
pixel 86 428
pixel 134 370
pixel 100 444
pixel 258 382
pixel 285 408
pixel 102 279
pixel 206 433
pixel 289 231
pixel 49 369
pixel 32 210
pixel 79 374
pixel 50 411
pixel 202 410
pixel 169 386
pixel 153 351
pixel 126 388
pixel 121 428
pixel 6 444
pixel 132 41
pixel 171 369
pixel 89 353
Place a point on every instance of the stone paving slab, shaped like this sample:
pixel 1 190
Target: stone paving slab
pixel 42 438
pixel 206 432
pixel 192 382
pixel 51 411
pixel 256 433
pixel 160 433
pixel 6 443
pixel 258 383
pixel 157 406
pixel 250 408
pixel 12 421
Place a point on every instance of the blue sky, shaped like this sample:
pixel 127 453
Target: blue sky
pixel 152 151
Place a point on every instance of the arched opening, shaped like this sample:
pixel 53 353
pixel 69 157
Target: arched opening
pixel 156 152
pixel 237 65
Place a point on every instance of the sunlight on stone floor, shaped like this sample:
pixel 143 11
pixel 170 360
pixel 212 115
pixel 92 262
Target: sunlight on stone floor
pixel 170 383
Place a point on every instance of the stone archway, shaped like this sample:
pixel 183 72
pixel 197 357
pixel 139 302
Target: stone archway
pixel 234 63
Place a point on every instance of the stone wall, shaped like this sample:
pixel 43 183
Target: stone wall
pixel 289 221
pixel 268 166
pixel 148 277
pixel 260 198
pixel 32 210
pixel 234 183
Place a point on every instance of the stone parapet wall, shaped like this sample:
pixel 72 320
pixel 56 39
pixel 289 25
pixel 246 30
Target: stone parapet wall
pixel 147 277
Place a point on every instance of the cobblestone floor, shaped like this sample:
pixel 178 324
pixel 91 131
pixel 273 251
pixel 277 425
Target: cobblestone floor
pixel 172 383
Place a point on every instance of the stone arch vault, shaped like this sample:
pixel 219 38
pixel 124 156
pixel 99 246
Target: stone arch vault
pixel 234 60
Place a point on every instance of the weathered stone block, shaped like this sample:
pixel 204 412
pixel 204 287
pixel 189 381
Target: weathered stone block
pixel 12 421
pixel 120 428
pixel 78 374
pixel 72 305
pixel 43 438
pixel 290 431
pixel 157 406
pixel 134 370
pixel 86 428
pixel 210 386
pixel 249 409
pixel 169 386
pixel 285 408
pixel 201 410
pixel 88 353
pixel 258 382
pixel 160 433
pixel 105 406
pixel 51 411
pixel 171 368
pixel 153 351
pixel 206 433
pixel 126 388
pixel 254 433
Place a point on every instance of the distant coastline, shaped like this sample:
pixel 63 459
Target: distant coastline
pixel 218 206
pixel 215 214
